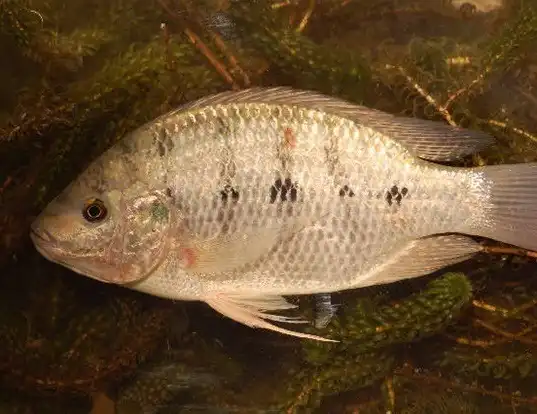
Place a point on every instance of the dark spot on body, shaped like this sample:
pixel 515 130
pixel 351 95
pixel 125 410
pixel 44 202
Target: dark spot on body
pixel 225 218
pixel 164 142
pixel 396 194
pixel 284 190
pixel 223 128
pixel 170 194
pixel 346 191
pixel 161 148
pixel 229 194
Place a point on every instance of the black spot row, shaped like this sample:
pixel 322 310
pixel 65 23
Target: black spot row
pixel 394 194
pixel 346 192
pixel 284 190
pixel 164 142
pixel 229 194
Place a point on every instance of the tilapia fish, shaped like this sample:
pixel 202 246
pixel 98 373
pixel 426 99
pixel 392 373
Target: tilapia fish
pixel 241 198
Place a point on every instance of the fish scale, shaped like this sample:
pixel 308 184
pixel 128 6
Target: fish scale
pixel 297 260
pixel 242 197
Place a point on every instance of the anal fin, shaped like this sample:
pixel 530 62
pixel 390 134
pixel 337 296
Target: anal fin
pixel 421 257
pixel 253 311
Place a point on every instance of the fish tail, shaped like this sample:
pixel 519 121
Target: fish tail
pixel 508 206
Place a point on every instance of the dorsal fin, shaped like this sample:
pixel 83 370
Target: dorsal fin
pixel 430 140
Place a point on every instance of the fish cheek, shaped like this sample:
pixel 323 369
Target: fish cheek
pixel 64 227
pixel 142 241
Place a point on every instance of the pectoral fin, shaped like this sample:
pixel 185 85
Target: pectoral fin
pixel 253 311
pixel 421 257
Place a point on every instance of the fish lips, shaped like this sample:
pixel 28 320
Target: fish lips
pixel 91 267
pixel 44 244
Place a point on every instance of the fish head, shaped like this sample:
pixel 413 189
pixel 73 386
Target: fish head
pixel 106 225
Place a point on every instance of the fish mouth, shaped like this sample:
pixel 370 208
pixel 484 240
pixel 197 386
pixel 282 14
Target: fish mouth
pixel 46 249
pixel 74 263
pixel 41 237
pixel 44 244
pixel 47 245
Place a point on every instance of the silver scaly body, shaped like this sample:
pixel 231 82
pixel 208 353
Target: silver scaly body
pixel 357 195
pixel 270 192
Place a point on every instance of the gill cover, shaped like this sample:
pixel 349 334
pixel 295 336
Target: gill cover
pixel 141 240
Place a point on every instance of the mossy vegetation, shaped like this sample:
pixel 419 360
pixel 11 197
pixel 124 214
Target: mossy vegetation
pixel 77 76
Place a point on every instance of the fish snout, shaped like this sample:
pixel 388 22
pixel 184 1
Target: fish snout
pixel 40 234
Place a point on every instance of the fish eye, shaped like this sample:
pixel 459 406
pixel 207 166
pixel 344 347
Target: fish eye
pixel 94 210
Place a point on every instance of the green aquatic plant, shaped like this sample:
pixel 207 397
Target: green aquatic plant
pixel 368 332
pixel 515 41
pixel 473 363
pixel 442 404
pixel 309 385
pixel 19 23
pixel 57 339
pixel 83 74
pixel 174 379
pixel 302 61
pixel 366 327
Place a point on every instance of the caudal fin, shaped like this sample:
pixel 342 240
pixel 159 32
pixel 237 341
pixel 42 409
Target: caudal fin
pixel 509 212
